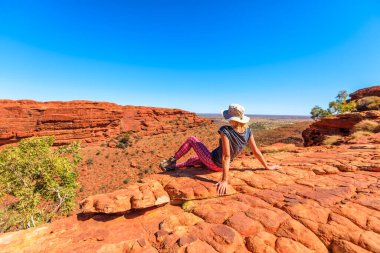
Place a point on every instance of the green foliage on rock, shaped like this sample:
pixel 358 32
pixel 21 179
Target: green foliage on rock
pixel 340 105
pixel 40 179
pixel 124 140
pixel 342 97
pixel 337 107
pixel 317 112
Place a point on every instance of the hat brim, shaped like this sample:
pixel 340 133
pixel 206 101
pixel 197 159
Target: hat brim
pixel 228 117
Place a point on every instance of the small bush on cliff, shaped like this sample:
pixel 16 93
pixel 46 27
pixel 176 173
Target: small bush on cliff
pixel 367 125
pixel 368 103
pixel 340 105
pixel 337 107
pixel 41 180
pixel 317 112
pixel 124 140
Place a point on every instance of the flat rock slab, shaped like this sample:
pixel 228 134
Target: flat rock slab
pixel 137 196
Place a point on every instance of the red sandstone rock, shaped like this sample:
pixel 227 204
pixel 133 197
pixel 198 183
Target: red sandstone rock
pixel 293 209
pixel 190 184
pixel 341 124
pixel 87 121
pixel 339 246
pixel 366 92
pixel 285 245
pixel 262 242
pixel 137 196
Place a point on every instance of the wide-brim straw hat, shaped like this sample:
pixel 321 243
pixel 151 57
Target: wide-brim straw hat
pixel 235 112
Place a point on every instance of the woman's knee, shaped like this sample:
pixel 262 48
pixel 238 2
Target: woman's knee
pixel 193 139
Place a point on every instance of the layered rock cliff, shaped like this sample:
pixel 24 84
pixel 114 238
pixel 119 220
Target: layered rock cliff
pixel 87 121
pixel 366 92
pixel 342 124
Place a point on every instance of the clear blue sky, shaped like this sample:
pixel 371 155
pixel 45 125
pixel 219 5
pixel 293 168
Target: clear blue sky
pixel 274 57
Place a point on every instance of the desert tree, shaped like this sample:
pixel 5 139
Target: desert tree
pixel 41 180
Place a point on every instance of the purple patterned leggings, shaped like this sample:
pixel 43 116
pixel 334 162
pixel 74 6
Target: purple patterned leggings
pixel 203 154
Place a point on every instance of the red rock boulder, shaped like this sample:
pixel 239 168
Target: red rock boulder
pixel 366 92
pixel 341 124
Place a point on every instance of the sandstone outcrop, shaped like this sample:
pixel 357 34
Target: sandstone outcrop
pixel 138 196
pixel 323 199
pixel 341 124
pixel 87 121
pixel 366 92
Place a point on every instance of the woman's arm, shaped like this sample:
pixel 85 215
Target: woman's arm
pixel 226 158
pixel 258 155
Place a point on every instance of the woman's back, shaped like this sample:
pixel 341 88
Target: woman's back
pixel 237 142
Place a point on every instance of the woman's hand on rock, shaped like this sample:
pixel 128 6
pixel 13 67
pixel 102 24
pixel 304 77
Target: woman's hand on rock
pixel 273 167
pixel 222 187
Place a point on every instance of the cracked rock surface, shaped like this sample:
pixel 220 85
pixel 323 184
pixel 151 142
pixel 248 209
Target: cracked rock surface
pixel 323 199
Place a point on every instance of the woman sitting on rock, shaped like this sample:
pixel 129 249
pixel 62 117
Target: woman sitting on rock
pixel 233 139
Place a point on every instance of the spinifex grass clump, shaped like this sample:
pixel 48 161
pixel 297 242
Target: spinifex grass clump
pixel 367 125
pixel 124 140
pixel 332 140
pixel 368 103
pixel 40 179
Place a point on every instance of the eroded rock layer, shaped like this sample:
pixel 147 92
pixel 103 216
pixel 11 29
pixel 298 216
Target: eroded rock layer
pixel 366 92
pixel 341 124
pixel 87 121
pixel 323 199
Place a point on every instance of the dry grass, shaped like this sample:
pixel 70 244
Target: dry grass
pixel 367 125
pixel 368 103
pixel 276 149
pixel 332 140
pixel 360 134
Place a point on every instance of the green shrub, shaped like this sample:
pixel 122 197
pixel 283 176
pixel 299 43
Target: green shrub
pixel 317 112
pixel 123 140
pixel 90 161
pixel 337 108
pixel 41 179
pixel 366 125
pixel 340 105
pixel 368 103
pixel 126 181
pixel 9 219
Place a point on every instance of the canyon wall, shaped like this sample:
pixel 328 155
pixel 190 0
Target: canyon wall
pixel 87 121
